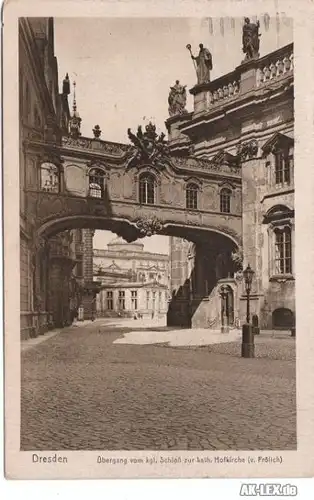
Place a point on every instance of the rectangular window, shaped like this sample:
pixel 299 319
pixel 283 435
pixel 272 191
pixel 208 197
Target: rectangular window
pixel 79 236
pixel 79 268
pixel 191 197
pixel 147 300
pixel 147 189
pixel 134 300
pixel 283 253
pixel 110 300
pixel 283 171
pixel 121 299
pixel 225 201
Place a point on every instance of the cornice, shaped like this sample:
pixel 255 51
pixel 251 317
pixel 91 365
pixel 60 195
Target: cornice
pixel 129 255
pixel 244 102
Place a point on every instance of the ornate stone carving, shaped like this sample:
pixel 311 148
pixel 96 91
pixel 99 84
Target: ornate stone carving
pixel 150 149
pixel 250 39
pixel 203 164
pixel 237 259
pixel 97 131
pixel 247 149
pixel 177 99
pixel 39 243
pixel 149 226
pixel 115 149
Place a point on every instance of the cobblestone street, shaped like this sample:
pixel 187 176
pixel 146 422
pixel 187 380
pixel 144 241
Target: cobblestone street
pixel 82 391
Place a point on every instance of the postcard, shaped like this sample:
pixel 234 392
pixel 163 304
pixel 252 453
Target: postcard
pixel 158 270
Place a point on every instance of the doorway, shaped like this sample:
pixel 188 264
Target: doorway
pixel 227 307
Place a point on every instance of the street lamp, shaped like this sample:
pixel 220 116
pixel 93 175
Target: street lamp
pixel 248 347
pixel 223 294
pixel 248 277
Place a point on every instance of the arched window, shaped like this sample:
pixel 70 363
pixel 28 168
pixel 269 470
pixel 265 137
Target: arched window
pixel 96 183
pixel 191 196
pixel 283 251
pixel 147 191
pixel 49 177
pixel 225 198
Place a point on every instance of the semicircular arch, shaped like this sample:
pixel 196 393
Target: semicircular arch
pixel 133 228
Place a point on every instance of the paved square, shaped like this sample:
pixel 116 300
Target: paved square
pixel 80 390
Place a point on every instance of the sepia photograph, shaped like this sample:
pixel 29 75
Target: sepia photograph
pixel 157 234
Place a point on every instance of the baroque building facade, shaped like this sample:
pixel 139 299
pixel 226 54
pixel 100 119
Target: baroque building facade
pixel 49 288
pixel 221 187
pixel 245 117
pixel 134 282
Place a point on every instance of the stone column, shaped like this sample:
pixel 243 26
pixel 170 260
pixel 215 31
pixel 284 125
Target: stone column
pixel 252 182
pixel 88 255
pixel 178 313
pixel 88 295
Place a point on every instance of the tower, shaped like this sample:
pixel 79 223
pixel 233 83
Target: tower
pixel 75 120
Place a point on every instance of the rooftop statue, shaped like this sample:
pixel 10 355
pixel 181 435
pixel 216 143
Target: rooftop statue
pixel 203 63
pixel 177 99
pixel 250 39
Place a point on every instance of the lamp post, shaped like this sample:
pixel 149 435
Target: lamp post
pixel 248 277
pixel 224 322
pixel 247 332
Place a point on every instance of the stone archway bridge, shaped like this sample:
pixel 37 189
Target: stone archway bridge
pixel 120 205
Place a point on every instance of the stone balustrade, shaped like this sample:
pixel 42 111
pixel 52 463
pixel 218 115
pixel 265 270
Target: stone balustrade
pixel 223 90
pixel 247 77
pixel 274 66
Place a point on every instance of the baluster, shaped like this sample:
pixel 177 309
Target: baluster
pixel 280 67
pixel 235 87
pixel 273 71
pixel 230 89
pixel 286 64
pixel 291 61
pixel 266 72
pixel 210 97
pixel 226 91
pixel 215 96
pixel 220 93
pixel 259 77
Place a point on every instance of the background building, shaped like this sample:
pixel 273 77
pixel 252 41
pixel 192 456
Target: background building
pixel 133 282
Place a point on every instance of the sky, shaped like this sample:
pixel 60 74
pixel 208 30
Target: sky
pixel 124 67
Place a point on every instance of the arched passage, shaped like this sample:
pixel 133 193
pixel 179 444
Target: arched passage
pixel 191 280
pixel 283 318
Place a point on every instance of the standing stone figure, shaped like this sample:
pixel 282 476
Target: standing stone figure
pixel 204 64
pixel 250 39
pixel 177 99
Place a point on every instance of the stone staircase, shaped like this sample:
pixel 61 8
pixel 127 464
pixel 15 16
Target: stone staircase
pixel 207 311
